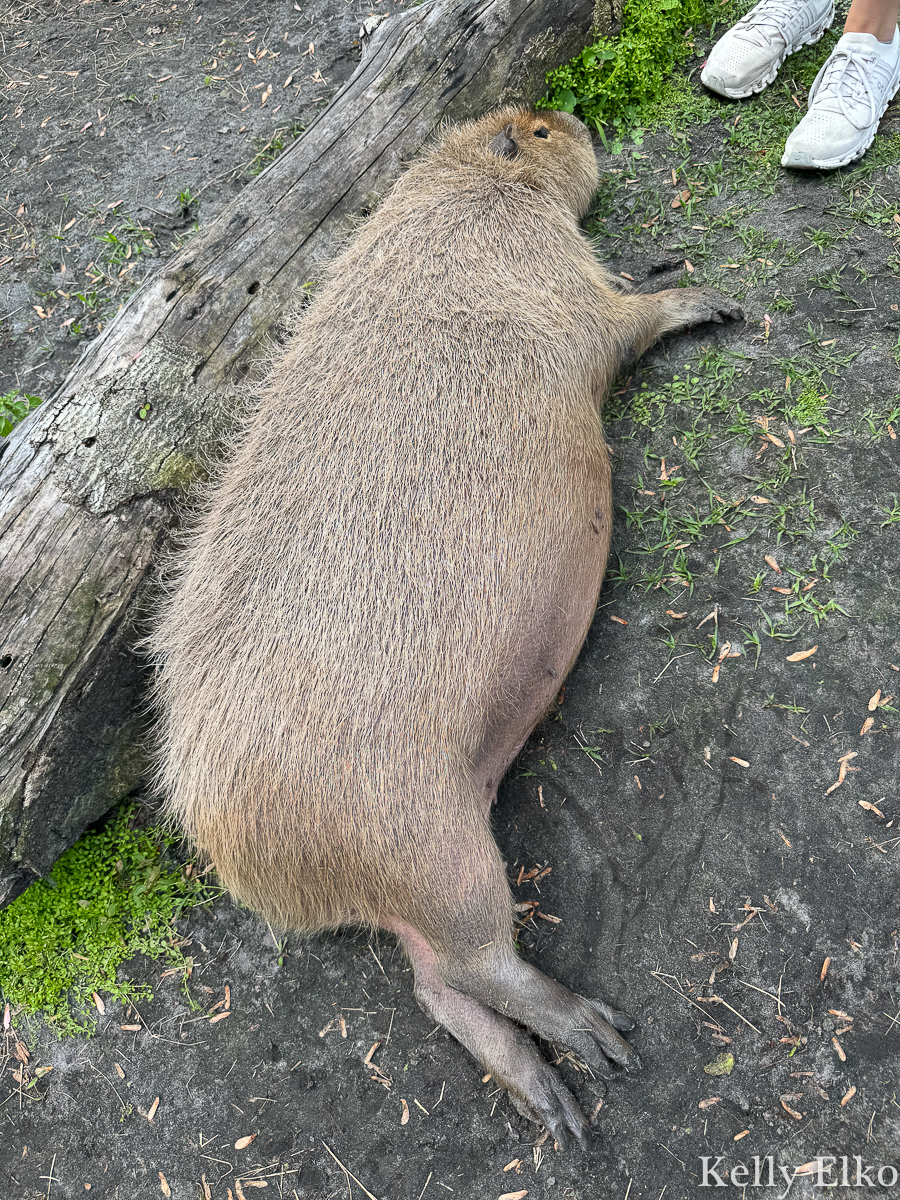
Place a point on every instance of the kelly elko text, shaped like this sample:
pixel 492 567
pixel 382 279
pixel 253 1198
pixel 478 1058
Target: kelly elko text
pixel 824 1171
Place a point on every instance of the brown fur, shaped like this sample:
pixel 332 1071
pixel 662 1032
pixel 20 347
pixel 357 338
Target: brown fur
pixel 398 567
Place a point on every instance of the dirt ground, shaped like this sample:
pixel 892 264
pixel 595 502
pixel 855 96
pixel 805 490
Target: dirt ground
pixel 705 833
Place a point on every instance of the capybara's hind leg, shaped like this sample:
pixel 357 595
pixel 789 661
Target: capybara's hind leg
pixel 500 1046
pixel 470 978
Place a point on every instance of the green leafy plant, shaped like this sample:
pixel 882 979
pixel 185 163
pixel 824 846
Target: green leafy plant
pixel 617 80
pixel 113 895
pixel 13 407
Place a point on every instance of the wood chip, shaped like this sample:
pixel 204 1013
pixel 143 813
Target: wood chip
pixel 737 1137
pixel 741 762
pixel 367 1060
pixel 119 1071
pixel 775 441
pixel 243 1142
pixel 676 616
pixel 866 726
pixel 840 1049
pixel 848 1097
pixel 98 1003
pixel 801 654
pixel 153 1107
pixel 872 808
pixel 515 1195
pixel 219 1017
pixel 825 965
pixel 618 620
pixel 773 563
pixel 836 1012
pixel 131 1028
pixel 873 703
pixel 810 1168
pixel 710 1102
pixel 512 1166
pixel 164 1184
pixel 791 1111
pixel 551 918
pixel 404 1119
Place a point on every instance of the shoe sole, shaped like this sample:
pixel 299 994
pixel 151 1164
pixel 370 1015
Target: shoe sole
pixel 831 164
pixel 809 38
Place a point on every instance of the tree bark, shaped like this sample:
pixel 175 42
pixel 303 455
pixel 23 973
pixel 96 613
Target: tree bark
pixel 89 483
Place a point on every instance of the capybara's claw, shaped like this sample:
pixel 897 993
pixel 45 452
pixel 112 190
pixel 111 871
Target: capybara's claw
pixel 707 304
pixel 607 1044
pixel 545 1099
pixel 618 1020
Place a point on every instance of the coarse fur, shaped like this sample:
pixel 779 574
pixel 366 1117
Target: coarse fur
pixel 396 571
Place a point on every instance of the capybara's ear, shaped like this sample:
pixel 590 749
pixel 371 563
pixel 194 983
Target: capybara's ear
pixel 505 144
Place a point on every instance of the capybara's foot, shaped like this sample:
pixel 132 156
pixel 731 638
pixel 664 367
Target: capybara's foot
pixel 502 1047
pixel 590 1028
pixel 697 305
pixel 540 1095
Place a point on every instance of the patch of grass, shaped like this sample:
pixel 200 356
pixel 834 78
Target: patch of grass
pixel 266 152
pixel 705 427
pixel 128 239
pixel 881 423
pixel 14 407
pixel 113 895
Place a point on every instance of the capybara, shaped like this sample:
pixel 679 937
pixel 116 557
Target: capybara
pixel 396 570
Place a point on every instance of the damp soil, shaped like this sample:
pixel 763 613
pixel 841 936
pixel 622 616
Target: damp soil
pixel 705 832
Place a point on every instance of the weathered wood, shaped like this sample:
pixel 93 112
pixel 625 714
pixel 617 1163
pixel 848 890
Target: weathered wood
pixel 88 483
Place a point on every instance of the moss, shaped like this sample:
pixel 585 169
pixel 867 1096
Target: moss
pixel 113 895
pixel 178 470
pixel 809 406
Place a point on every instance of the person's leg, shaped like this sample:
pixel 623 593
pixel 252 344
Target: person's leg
pixel 878 17
pixel 851 92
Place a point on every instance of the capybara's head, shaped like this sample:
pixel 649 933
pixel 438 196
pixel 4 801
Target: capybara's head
pixel 549 151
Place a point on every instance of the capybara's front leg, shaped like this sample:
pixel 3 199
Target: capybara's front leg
pixel 677 308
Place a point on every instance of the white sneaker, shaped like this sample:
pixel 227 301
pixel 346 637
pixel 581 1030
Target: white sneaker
pixel 846 102
pixel 746 59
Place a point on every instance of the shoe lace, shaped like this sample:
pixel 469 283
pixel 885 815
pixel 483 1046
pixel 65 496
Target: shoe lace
pixel 848 80
pixel 765 19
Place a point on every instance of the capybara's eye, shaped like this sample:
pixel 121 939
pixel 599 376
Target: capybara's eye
pixel 542 132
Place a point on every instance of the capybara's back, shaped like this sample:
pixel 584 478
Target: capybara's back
pixel 396 571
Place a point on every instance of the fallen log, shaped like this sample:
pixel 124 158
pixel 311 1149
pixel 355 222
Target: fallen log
pixel 89 482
